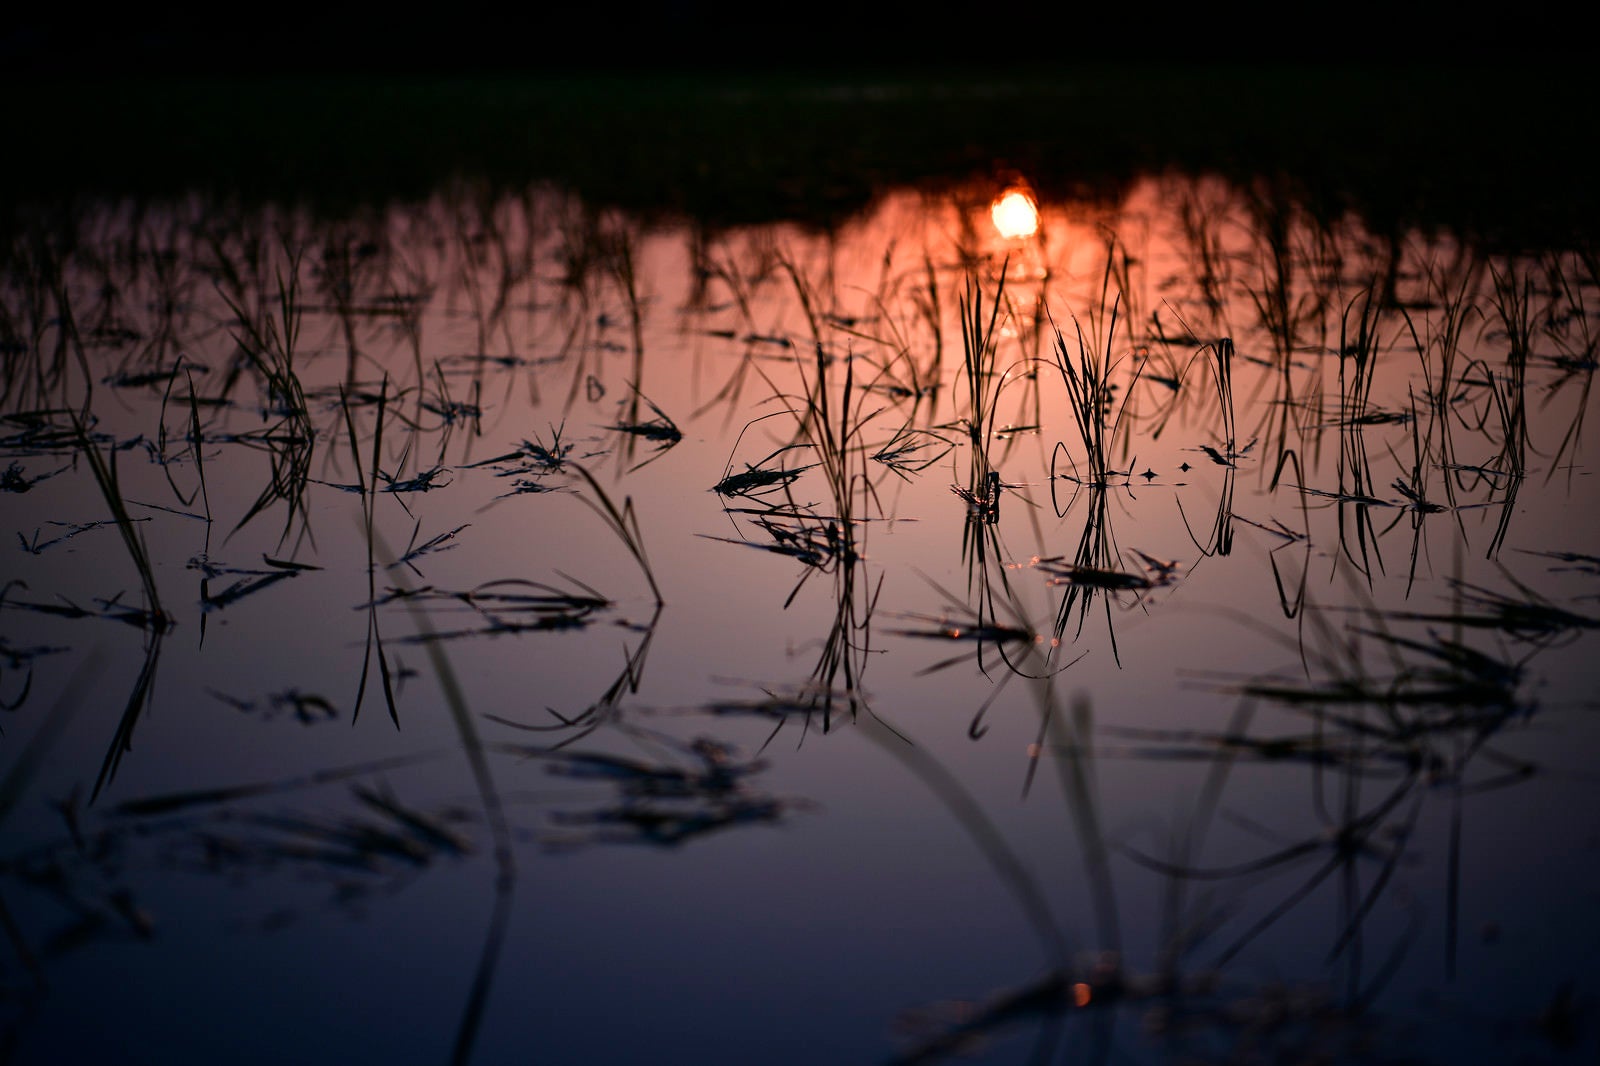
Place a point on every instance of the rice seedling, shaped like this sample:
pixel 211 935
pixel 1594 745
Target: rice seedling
pixel 425 481
pixel 1438 351
pixel 368 489
pixel 834 424
pixel 605 709
pixel 1092 395
pixel 1513 303
pixel 195 438
pixel 1356 498
pixel 450 410
pixel 1221 365
pixel 500 832
pixel 110 486
pixel 141 698
pixel 1103 579
pixel 47 344
pixel 73 529
pixel 14 478
pixel 1220 541
pixel 1579 562
pixel 504 607
pixel 237 590
pixel 979 350
pixel 983 501
pixel 267 341
pixel 1524 616
pixel 807 538
pixel 660 430
pixel 439 542
pixel 758 479
pixel 946 628
pixel 1094 568
pixel 906 452
pixel 1357 833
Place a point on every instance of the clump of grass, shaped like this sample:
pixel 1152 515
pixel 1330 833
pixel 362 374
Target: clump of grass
pixel 906 452
pixel 660 429
pixel 110 485
pixel 1092 395
pixel 979 349
pixel 759 479
pixel 268 343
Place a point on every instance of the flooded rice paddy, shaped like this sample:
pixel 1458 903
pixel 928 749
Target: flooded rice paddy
pixel 490 628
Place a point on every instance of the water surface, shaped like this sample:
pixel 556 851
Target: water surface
pixel 492 625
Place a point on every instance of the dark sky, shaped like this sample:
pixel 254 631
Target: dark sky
pixel 693 35
pixel 587 36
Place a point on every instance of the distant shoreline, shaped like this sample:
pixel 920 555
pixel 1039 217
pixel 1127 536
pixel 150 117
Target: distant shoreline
pixel 1403 146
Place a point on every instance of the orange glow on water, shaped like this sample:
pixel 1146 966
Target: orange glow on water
pixel 1081 994
pixel 1015 214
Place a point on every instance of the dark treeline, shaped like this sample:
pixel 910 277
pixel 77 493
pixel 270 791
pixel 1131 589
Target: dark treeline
pixel 690 110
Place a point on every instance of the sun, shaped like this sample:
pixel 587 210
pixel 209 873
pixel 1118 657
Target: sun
pixel 1015 214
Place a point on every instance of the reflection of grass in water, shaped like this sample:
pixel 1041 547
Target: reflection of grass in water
pixel 606 708
pixel 505 864
pixel 622 521
pixel 834 543
pixel 368 489
pixel 110 486
pixel 829 420
pixel 696 789
pixel 1424 726
pixel 505 606
pixel 267 338
pixel 1187 1009
pixel 1093 571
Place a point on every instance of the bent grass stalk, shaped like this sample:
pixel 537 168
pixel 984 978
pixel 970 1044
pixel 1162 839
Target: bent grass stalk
pixel 494 810
pixel 623 521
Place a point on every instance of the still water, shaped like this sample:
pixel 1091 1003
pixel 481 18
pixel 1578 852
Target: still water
pixel 493 629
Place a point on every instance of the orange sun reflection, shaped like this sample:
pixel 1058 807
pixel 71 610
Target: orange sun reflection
pixel 1015 214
